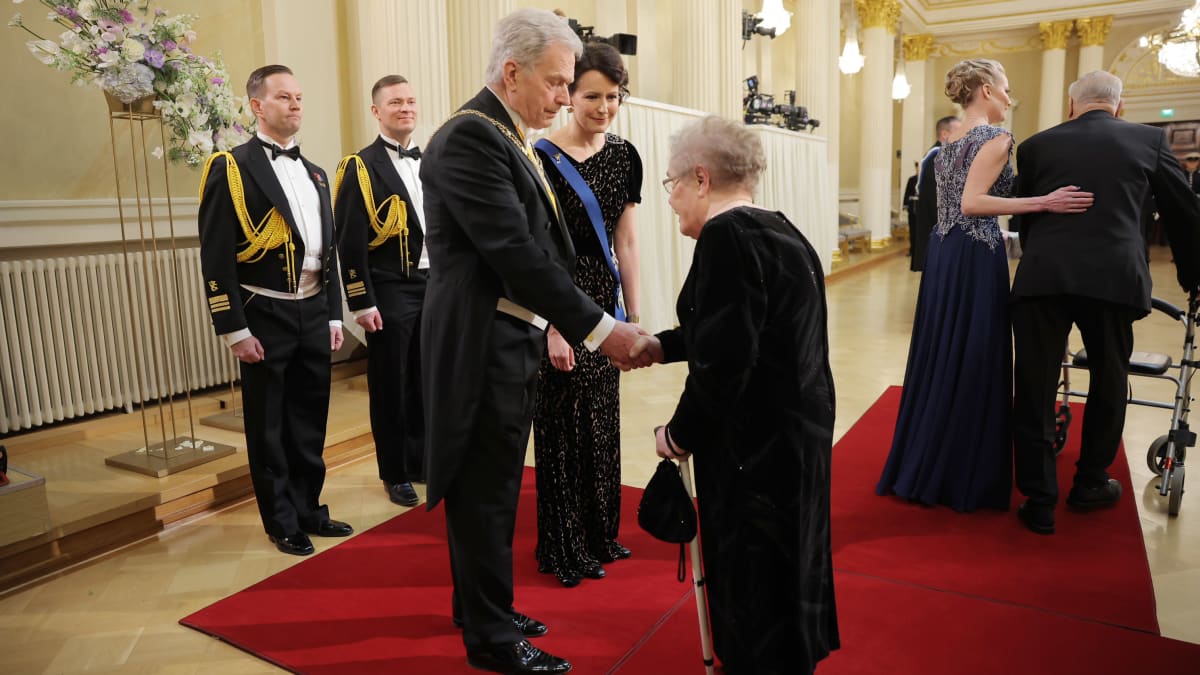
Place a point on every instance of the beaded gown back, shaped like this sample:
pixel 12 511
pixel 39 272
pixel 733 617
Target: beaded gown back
pixel 952 443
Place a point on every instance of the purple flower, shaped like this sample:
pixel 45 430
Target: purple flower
pixel 218 81
pixel 169 45
pixel 176 65
pixel 106 25
pixel 126 16
pixel 160 12
pixel 238 127
pixel 154 58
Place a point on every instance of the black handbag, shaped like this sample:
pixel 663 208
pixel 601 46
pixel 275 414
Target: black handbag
pixel 666 511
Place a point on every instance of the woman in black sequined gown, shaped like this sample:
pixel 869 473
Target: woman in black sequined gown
pixel 576 423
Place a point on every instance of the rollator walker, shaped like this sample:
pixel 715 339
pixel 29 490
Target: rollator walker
pixel 1166 454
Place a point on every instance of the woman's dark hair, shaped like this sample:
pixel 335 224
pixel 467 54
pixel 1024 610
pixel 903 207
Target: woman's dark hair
pixel 605 60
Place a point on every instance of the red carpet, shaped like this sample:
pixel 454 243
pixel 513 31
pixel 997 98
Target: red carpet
pixel 380 602
pixel 920 590
pixel 890 628
pixel 1093 567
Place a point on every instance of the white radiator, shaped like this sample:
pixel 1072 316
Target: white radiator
pixel 72 343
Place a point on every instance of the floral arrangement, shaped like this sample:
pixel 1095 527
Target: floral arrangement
pixel 132 51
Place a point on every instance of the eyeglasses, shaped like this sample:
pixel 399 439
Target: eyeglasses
pixel 669 183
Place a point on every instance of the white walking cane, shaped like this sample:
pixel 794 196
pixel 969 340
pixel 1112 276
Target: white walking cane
pixel 698 577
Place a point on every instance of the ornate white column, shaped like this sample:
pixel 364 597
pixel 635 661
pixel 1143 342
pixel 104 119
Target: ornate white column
pixel 879 19
pixel 818 86
pixel 1054 36
pixel 471 26
pixel 373 27
pixel 914 126
pixel 1093 33
pixel 707 63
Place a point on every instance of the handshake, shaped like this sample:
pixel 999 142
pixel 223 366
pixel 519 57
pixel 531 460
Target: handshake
pixel 629 346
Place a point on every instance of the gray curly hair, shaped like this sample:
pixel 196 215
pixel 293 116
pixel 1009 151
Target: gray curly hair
pixel 524 36
pixel 732 154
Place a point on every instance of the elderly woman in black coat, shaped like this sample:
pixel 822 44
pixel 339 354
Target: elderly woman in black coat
pixel 757 409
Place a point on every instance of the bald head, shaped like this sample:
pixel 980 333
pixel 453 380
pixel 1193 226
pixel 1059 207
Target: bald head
pixel 1097 90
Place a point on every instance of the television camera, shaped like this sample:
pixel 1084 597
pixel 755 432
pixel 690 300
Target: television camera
pixel 760 108
pixel 624 43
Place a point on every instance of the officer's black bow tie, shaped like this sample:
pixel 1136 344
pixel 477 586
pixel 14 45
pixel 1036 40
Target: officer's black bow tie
pixel 276 151
pixel 412 153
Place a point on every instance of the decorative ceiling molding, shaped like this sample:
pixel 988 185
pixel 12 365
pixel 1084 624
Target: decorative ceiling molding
pixel 955 17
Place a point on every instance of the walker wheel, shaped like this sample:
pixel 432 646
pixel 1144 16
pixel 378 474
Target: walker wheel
pixel 1175 498
pixel 1062 422
pixel 1156 456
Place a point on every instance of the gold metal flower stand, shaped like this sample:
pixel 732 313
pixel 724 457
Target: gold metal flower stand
pixel 156 295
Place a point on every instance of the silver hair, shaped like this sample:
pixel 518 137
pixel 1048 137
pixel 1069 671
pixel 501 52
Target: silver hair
pixel 524 36
pixel 1097 86
pixel 732 154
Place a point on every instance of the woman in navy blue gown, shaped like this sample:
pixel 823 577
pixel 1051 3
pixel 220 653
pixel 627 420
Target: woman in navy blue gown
pixel 952 443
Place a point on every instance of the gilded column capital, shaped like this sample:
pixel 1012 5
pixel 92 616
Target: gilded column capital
pixel 879 13
pixel 917 47
pixel 1093 31
pixel 1054 34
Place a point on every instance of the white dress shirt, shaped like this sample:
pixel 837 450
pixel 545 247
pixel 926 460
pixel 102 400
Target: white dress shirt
pixel 305 205
pixel 607 322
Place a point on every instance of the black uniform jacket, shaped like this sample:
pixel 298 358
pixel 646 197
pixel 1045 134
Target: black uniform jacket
pixel 395 259
pixel 221 237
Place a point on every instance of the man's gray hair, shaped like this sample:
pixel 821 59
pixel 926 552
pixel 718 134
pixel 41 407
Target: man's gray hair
pixel 1097 86
pixel 524 36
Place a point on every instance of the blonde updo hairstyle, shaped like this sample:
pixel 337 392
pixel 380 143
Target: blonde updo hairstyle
pixel 732 154
pixel 966 77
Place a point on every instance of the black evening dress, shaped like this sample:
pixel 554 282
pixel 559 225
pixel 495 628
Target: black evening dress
pixel 576 418
pixel 757 413
pixel 953 445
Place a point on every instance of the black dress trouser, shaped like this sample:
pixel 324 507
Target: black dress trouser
pixel 481 502
pixel 394 381
pixel 1040 328
pixel 285 407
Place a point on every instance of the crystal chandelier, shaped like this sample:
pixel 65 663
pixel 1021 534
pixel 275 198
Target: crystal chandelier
pixel 1179 49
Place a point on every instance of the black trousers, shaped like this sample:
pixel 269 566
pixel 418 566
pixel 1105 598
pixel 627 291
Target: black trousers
pixel 481 503
pixel 1040 329
pixel 394 381
pixel 285 407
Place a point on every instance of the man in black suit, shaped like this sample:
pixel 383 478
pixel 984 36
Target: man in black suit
pixel 926 209
pixel 1088 269
pixel 385 267
pixel 502 260
pixel 267 251
pixel 1191 170
pixel 910 201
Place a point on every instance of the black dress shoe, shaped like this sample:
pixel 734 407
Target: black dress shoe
pixel 295 544
pixel 403 494
pixel 1098 496
pixel 330 528
pixel 529 626
pixel 1039 519
pixel 516 658
pixel 569 580
pixel 612 552
pixel 594 572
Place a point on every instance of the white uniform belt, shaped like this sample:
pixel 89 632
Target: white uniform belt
pixel 514 310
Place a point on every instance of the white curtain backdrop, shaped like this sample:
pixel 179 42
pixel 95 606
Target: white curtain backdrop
pixel 796 183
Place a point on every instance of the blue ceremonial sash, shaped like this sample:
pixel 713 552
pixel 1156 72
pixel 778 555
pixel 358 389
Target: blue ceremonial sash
pixel 577 183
